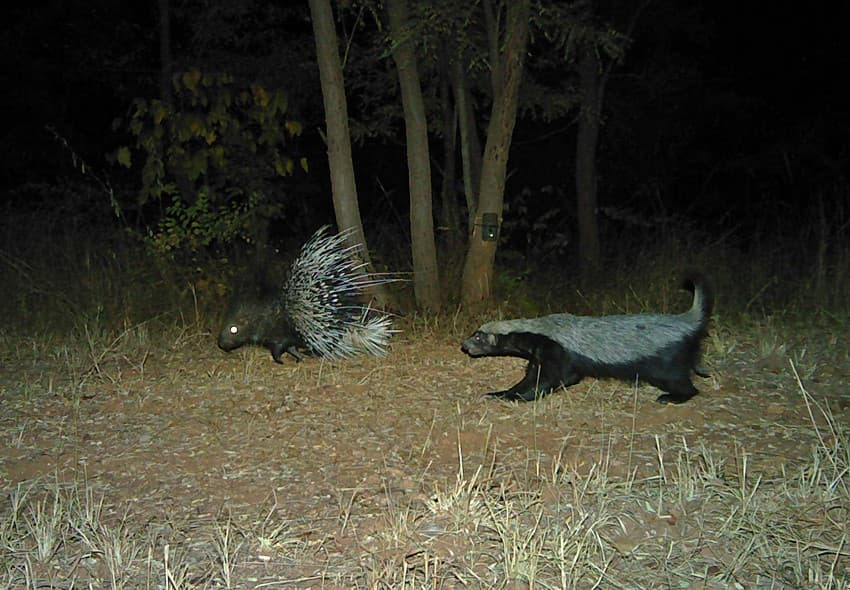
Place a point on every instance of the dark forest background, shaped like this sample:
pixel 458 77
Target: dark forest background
pixel 724 142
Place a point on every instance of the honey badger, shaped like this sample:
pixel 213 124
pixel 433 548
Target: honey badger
pixel 561 349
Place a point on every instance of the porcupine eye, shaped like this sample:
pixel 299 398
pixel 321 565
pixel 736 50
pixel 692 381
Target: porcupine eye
pixel 234 329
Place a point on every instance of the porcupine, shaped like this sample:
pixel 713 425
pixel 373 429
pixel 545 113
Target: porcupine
pixel 561 349
pixel 318 308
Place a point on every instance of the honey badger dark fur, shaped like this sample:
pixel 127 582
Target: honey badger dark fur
pixel 561 349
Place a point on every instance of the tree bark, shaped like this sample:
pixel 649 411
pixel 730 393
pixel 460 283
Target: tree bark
pixel 587 137
pixel 343 186
pixel 165 59
pixel 426 284
pixel 477 279
pixel 449 214
pixel 470 145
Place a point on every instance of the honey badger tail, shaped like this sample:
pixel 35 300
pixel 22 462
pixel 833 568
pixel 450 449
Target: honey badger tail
pixel 703 302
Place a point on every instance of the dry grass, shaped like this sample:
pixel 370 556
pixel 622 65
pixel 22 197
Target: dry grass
pixel 375 474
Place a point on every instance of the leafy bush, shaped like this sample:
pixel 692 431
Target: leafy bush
pixel 214 159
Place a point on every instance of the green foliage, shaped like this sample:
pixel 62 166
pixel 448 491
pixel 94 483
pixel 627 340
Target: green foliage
pixel 568 26
pixel 214 160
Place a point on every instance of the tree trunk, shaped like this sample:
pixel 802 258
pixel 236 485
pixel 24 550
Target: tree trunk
pixel 449 215
pixel 343 186
pixel 507 73
pixel 165 59
pixel 426 284
pixel 470 145
pixel 590 257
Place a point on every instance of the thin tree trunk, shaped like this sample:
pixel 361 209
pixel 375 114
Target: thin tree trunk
pixel 592 81
pixel 165 59
pixel 477 279
pixel 587 137
pixel 426 284
pixel 470 146
pixel 343 186
pixel 449 216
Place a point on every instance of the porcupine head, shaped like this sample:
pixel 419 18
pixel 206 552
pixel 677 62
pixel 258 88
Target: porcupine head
pixel 256 316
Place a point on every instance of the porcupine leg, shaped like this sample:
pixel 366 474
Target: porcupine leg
pixel 295 354
pixel 278 348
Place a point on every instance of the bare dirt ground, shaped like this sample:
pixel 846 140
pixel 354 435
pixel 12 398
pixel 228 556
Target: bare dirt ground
pixel 304 467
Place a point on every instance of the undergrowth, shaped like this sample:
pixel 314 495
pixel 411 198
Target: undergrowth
pixel 77 269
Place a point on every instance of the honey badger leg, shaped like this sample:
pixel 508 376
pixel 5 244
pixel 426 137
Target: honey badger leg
pixel 537 383
pixel 548 368
pixel 700 372
pixel 533 386
pixel 678 391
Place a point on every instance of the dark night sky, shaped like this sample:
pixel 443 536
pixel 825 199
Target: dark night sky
pixel 792 56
